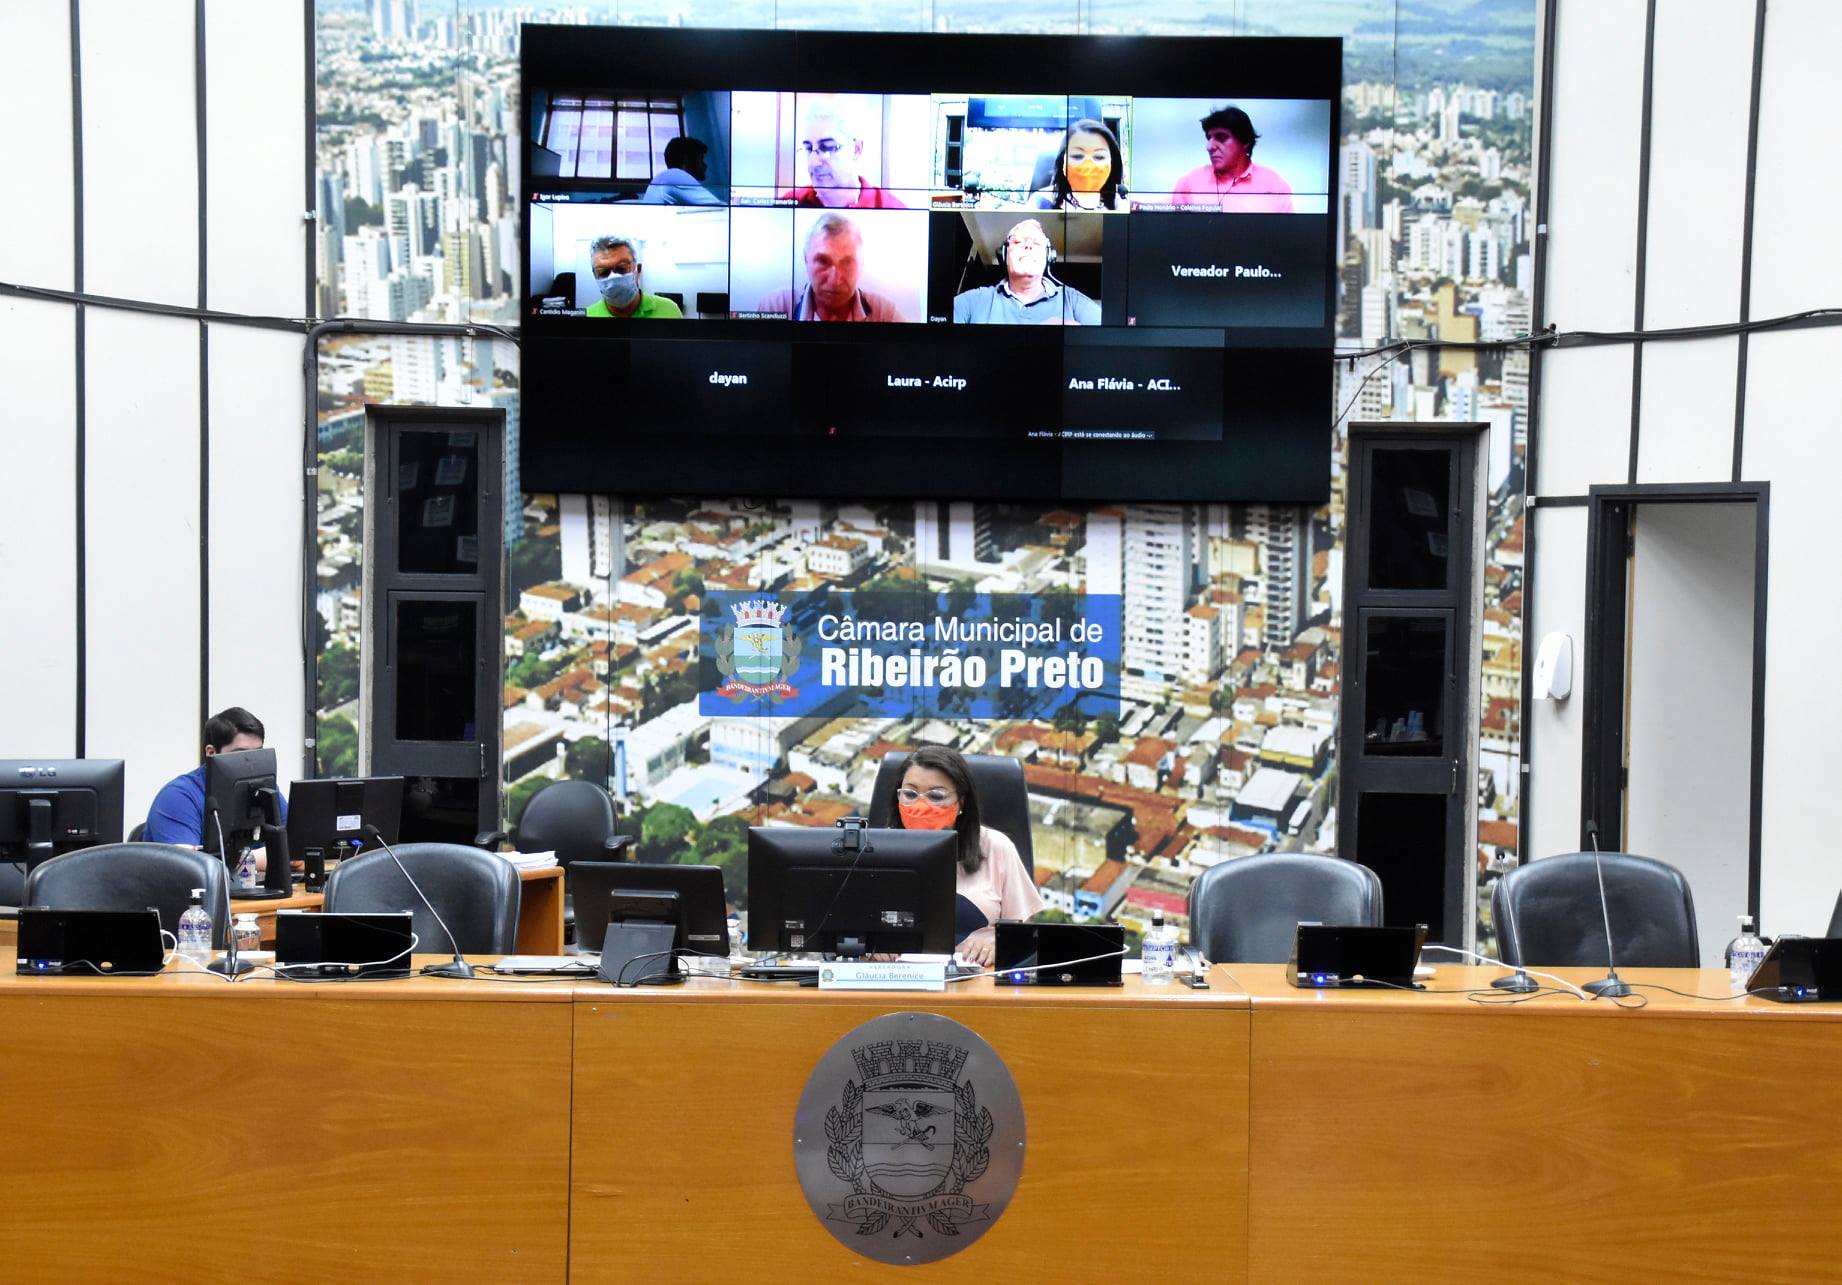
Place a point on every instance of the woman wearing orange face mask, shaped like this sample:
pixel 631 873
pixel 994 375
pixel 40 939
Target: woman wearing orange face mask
pixel 1087 171
pixel 937 794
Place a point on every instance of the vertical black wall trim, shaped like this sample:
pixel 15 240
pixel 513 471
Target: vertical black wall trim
pixel 1532 437
pixel 1643 227
pixel 1761 565
pixel 81 320
pixel 204 377
pixel 310 398
pixel 1752 166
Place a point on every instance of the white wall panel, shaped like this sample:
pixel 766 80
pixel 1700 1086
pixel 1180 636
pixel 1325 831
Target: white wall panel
pixel 1552 803
pixel 140 155
pixel 38 529
pixel 141 486
pixel 1585 419
pixel 1591 259
pixel 255 532
pixel 1794 439
pixel 1685 428
pixel 36 235
pixel 1799 185
pixel 1701 97
pixel 255 146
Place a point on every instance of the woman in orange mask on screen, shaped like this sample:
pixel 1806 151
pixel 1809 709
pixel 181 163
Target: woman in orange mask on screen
pixel 1087 171
pixel 937 794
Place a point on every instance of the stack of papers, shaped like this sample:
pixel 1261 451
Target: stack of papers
pixel 531 860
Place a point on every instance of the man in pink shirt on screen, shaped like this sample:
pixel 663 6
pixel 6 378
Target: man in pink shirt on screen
pixel 1231 181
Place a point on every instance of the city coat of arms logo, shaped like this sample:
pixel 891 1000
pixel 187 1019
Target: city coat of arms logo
pixel 758 653
pixel 901 1164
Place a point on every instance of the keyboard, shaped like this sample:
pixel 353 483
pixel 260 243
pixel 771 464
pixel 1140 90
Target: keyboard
pixel 549 965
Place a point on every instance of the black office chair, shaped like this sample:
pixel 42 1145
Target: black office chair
pixel 1247 910
pixel 139 832
pixel 12 882
pixel 1548 914
pixel 1835 918
pixel 476 893
pixel 575 820
pixel 1004 798
pixel 134 876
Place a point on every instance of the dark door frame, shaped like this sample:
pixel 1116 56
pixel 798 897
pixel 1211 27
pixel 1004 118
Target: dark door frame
pixel 1608 550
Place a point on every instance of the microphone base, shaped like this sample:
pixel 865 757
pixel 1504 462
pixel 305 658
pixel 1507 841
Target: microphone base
pixel 453 968
pixel 1517 983
pixel 228 967
pixel 1606 987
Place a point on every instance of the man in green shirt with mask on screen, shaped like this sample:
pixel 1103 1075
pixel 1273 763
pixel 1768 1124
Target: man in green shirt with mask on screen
pixel 616 266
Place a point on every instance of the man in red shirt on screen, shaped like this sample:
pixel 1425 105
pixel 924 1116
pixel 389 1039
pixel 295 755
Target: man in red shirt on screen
pixel 832 150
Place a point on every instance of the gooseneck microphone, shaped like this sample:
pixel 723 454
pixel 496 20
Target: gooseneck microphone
pixel 229 964
pixel 1609 986
pixel 457 967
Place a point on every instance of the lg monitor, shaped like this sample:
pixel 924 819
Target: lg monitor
pixel 327 819
pixel 851 891
pixel 601 891
pixel 243 807
pixel 53 806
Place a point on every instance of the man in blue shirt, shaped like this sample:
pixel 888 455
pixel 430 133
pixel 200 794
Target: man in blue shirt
pixel 178 811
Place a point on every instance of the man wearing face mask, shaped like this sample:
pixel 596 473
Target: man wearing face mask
pixel 991 882
pixel 617 276
pixel 1028 295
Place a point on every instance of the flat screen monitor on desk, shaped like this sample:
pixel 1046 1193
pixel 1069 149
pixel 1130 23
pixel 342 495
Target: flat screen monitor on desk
pixel 53 806
pixel 851 891
pixel 599 890
pixel 327 818
pixel 242 808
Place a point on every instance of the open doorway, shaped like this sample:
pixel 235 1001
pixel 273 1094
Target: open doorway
pixel 1675 687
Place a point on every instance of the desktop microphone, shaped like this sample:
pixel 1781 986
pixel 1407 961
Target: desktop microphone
pixel 457 967
pixel 230 965
pixel 1609 986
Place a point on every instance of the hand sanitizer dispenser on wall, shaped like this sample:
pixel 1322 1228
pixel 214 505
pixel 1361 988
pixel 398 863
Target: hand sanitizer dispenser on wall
pixel 1553 675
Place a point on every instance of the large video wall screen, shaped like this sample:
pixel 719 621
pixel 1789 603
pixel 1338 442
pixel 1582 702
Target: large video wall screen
pixel 831 264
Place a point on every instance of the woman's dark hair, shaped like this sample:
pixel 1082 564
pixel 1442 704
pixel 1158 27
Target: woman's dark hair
pixel 951 764
pixel 1109 191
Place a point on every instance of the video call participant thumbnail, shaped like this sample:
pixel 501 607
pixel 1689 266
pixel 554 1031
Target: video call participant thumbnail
pixel 830 150
pixel 1230 180
pixel 618 272
pixel 681 182
pixel 1028 294
pixel 832 259
pixel 1089 170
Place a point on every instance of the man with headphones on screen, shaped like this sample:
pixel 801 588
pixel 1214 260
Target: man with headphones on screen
pixel 1029 295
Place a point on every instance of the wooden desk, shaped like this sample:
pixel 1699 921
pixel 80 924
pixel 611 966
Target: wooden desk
pixel 1135 1103
pixel 540 911
pixel 1399 1135
pixel 182 1126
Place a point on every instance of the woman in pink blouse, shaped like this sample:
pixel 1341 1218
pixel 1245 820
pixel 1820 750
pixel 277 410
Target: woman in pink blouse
pixel 937 794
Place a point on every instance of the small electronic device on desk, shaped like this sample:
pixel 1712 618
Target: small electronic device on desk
pixel 327 819
pixel 1331 956
pixel 1050 954
pixel 89 943
pixel 1799 970
pixel 315 944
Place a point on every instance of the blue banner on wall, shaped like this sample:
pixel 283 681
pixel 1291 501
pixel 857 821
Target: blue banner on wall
pixel 908 654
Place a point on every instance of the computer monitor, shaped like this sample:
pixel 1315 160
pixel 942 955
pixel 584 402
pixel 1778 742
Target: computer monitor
pixel 243 807
pixel 327 818
pixel 851 891
pixel 701 916
pixel 53 806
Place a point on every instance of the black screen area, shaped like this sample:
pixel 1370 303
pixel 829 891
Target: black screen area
pixel 836 264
